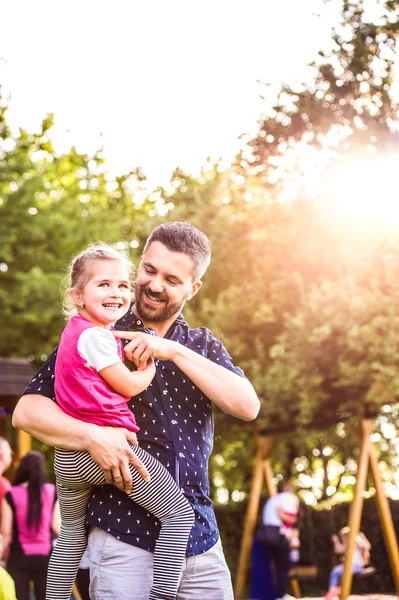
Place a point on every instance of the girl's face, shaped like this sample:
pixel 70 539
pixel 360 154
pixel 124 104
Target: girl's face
pixel 106 296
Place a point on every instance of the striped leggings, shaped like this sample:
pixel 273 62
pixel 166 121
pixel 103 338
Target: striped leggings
pixel 76 473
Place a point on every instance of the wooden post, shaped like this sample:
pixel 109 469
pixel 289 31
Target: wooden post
pixel 270 484
pixel 265 447
pixel 356 507
pixel 24 443
pixel 385 514
pixel 249 527
pixel 295 588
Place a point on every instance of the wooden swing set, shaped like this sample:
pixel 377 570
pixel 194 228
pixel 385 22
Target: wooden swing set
pixel 263 472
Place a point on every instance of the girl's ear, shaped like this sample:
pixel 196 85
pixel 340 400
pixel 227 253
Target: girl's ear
pixel 76 297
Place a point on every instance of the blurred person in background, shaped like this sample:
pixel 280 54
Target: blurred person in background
pixel 361 558
pixel 7 585
pixel 281 511
pixel 30 514
pixel 5 463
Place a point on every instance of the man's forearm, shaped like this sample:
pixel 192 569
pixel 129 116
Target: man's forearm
pixel 108 446
pixel 230 392
pixel 43 419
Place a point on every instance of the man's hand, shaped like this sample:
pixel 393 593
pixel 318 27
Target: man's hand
pixel 109 448
pixel 143 346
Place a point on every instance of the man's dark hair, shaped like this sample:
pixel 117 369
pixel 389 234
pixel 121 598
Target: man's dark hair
pixel 179 236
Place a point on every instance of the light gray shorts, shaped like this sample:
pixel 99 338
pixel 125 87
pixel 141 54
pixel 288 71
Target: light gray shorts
pixel 119 571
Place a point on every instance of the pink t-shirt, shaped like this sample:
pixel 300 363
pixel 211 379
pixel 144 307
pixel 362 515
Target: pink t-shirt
pixel 33 541
pixel 80 391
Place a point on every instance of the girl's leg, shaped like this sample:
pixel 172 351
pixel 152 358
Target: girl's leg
pixel 335 576
pixel 164 499
pixel 73 495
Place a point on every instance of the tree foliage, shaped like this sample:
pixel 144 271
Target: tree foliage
pixel 346 105
pixel 51 206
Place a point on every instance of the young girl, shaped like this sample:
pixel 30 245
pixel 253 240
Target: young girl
pixel 361 557
pixel 93 384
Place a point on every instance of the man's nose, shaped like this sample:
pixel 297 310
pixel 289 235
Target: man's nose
pixel 156 285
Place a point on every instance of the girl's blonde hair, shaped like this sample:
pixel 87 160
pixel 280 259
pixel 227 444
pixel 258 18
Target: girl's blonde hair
pixel 80 272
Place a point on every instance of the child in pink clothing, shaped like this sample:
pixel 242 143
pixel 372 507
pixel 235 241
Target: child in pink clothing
pixel 30 515
pixel 93 384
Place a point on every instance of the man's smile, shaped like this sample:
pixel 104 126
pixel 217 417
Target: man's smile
pixel 153 297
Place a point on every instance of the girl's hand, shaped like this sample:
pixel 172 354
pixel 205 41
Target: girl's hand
pixel 144 376
pixel 149 370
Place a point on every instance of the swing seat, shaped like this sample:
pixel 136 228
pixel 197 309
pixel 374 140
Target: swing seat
pixel 303 572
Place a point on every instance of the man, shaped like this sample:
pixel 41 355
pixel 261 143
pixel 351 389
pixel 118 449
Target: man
pixel 281 511
pixel 175 419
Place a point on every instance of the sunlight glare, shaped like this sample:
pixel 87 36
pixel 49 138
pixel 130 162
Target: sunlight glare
pixel 362 190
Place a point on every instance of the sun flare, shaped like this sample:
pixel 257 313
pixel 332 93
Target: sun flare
pixel 365 190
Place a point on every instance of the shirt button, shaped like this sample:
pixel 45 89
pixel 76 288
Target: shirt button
pixel 139 323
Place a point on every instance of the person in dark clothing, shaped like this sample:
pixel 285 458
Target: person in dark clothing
pixel 281 510
pixel 30 514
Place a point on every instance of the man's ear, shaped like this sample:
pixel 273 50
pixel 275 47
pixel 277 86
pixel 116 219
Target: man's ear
pixel 194 289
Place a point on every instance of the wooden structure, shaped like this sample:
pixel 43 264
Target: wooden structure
pixel 15 374
pixel 367 458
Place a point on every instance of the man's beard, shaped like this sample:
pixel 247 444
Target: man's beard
pixel 153 314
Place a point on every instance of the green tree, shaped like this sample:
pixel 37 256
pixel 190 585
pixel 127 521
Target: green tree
pixel 51 206
pixel 346 106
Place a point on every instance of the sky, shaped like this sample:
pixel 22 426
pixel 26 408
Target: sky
pixel 156 83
